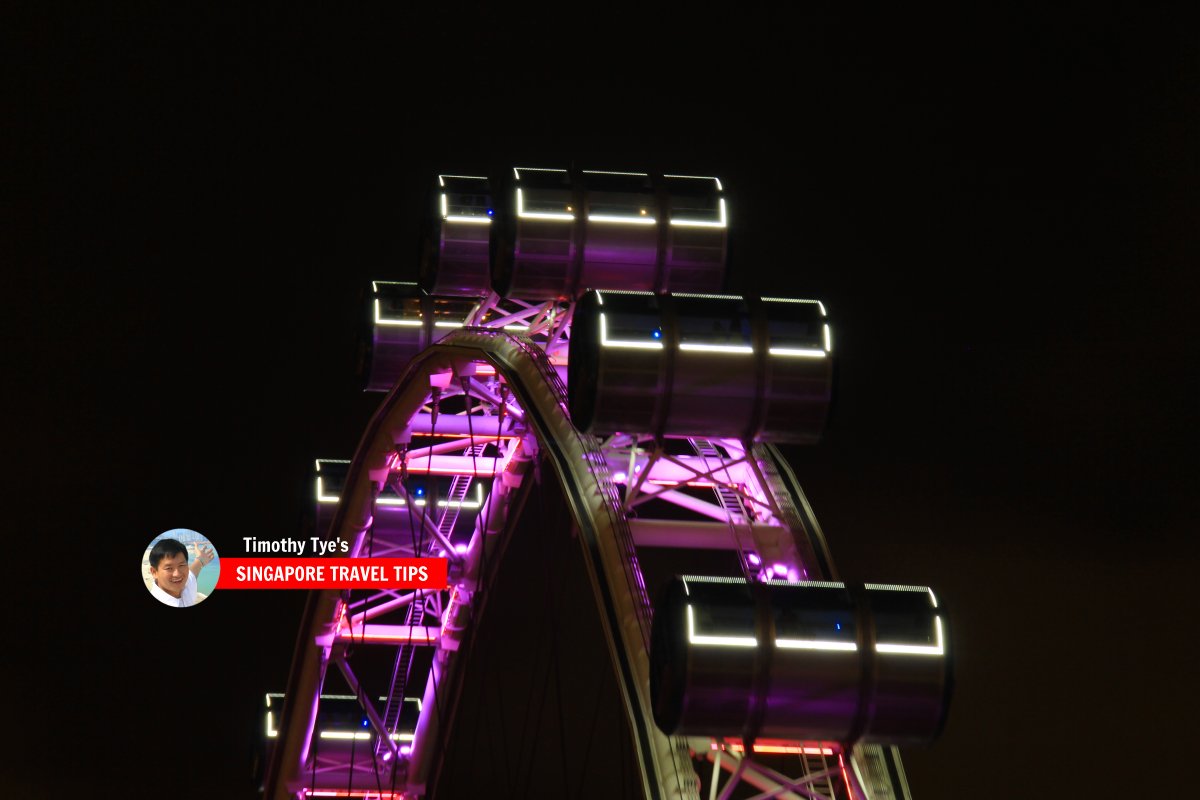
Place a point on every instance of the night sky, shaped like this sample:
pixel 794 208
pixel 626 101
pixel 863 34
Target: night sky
pixel 998 206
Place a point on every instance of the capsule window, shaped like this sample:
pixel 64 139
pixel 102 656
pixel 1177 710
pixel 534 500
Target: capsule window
pixel 718 324
pixel 545 192
pixel 904 618
pixel 397 302
pixel 463 204
pixel 723 620
pixel 798 326
pixel 720 610
pixel 694 199
pixel 451 311
pixel 632 318
pixel 463 196
pixel 815 616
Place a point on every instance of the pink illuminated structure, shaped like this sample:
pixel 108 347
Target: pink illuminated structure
pixel 662 449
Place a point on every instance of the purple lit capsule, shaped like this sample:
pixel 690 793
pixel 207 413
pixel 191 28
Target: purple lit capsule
pixel 403 325
pixel 640 232
pixel 705 681
pixel 454 254
pixel 743 367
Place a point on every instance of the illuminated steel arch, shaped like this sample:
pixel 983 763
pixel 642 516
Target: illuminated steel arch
pixel 792 683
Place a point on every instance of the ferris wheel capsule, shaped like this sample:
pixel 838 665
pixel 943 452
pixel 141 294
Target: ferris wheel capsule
pixel 693 364
pixel 405 319
pixel 559 232
pixel 799 661
pixel 454 251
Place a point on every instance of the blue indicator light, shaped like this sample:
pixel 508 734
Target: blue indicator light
pixel 420 492
pixel 656 333
pixel 838 625
pixel 491 212
pixel 365 723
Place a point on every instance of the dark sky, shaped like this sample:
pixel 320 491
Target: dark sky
pixel 998 206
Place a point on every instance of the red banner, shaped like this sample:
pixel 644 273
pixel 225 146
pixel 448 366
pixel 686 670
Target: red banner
pixel 332 573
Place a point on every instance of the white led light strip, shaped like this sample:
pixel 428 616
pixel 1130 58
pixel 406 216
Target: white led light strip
pixel 618 218
pixel 720 188
pixel 741 581
pixel 476 503
pixel 604 340
pixel 411 323
pixel 750 641
pixel 716 348
pixel 703 223
pixel 359 735
pixel 704 296
pixel 523 214
pixel 815 644
pixel 721 221
pixel 399 501
pixel 917 649
pixel 446 215
pixel 937 649
pixel 517 174
pixel 818 303
pixel 724 641
pixel 321 496
pixel 408 323
pixel 441 182
pixel 798 352
pixel 605 172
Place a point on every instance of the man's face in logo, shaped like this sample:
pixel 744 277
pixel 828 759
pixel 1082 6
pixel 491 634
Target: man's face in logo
pixel 171 574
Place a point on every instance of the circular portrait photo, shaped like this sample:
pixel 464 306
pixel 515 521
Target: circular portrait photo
pixel 180 567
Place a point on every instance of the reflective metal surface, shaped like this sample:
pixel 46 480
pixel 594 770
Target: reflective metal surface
pixel 560 232
pixel 799 661
pixel 403 321
pixel 454 255
pixel 689 364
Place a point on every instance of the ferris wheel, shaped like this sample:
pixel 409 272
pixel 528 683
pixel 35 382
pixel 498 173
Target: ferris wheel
pixel 641 601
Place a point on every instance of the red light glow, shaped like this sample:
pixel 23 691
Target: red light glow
pixel 491 437
pixel 697 484
pixel 845 775
pixel 779 746
pixel 390 634
pixel 371 637
pixel 488 369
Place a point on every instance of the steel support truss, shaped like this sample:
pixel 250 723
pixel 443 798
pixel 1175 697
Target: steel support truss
pixel 464 426
pixel 725 494
pixel 741 511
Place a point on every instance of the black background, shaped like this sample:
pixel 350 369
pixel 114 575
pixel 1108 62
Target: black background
pixel 997 204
